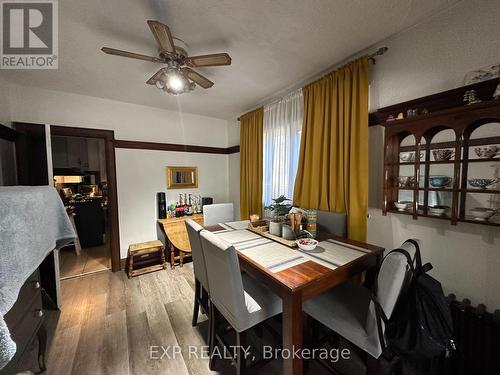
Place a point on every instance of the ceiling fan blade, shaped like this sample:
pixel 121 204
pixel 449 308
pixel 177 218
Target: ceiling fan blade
pixel 162 35
pixel 197 78
pixel 216 59
pixel 132 55
pixel 155 77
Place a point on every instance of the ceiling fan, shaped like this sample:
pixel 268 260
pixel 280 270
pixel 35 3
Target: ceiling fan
pixel 177 77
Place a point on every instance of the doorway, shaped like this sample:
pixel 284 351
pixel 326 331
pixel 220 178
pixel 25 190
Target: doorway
pixel 83 161
pixel 80 178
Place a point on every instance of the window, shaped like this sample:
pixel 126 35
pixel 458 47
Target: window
pixel 282 131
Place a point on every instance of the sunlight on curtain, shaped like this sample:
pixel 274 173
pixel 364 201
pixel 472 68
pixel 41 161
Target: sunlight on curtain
pixel 333 166
pixel 282 131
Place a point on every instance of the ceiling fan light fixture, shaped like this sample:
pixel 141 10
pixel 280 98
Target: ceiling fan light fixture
pixel 174 82
pixel 177 77
pixel 160 83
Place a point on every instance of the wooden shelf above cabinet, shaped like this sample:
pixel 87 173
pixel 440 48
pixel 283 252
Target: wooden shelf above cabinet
pixel 436 103
pixel 467 219
pixel 426 162
pixel 481 191
pixel 482 160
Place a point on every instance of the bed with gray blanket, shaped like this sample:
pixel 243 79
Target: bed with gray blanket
pixel 33 222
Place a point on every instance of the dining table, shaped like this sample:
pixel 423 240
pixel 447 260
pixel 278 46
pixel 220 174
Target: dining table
pixel 297 275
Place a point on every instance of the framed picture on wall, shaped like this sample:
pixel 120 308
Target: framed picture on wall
pixel 483 74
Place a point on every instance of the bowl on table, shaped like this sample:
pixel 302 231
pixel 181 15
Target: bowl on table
pixel 487 152
pixel 482 183
pixel 406 181
pixel 307 244
pixel 438 210
pixel 403 205
pixel 443 155
pixel 482 213
pixel 439 181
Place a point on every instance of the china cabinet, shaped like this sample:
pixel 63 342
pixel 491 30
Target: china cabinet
pixel 445 164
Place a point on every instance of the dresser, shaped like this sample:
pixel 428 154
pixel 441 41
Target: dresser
pixel 172 232
pixel 26 323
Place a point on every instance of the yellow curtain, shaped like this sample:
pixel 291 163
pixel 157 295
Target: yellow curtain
pixel 251 162
pixel 333 165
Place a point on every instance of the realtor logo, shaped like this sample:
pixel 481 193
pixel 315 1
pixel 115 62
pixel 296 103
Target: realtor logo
pixel 29 34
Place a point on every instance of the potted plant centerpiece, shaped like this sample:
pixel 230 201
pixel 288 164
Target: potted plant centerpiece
pixel 279 209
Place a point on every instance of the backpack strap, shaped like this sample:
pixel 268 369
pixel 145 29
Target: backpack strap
pixel 418 256
pixel 380 315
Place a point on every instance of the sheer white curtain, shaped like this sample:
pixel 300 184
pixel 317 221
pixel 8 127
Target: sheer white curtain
pixel 282 130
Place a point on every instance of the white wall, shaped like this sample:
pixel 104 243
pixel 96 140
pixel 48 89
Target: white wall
pixel 233 138
pixel 436 54
pixel 138 170
pixel 140 173
pixel 129 121
pixel 432 57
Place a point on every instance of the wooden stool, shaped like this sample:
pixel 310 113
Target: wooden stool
pixel 145 257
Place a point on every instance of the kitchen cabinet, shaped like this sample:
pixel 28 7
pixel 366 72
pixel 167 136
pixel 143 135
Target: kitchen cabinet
pixel 80 153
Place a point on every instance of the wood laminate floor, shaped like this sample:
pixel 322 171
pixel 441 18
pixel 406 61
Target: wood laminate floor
pixel 91 259
pixel 108 324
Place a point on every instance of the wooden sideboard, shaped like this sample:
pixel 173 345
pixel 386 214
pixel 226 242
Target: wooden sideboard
pixel 176 237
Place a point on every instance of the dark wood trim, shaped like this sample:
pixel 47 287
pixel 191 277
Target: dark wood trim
pixel 233 149
pixel 435 102
pixel 72 131
pixel 7 133
pixel 139 145
pixel 31 154
pixel 109 139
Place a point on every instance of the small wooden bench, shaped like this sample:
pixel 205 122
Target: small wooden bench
pixel 145 257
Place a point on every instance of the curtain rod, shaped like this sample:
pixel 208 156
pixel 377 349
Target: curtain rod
pixel 378 52
pixel 371 58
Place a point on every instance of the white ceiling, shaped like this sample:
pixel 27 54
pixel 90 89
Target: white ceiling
pixel 273 43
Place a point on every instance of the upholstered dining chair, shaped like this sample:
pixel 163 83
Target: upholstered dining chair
pixel 202 290
pixel 243 302
pixel 332 222
pixel 218 213
pixel 349 311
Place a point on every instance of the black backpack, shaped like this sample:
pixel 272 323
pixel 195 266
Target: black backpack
pixel 420 326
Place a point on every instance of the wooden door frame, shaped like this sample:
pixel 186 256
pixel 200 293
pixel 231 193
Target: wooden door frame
pixel 109 139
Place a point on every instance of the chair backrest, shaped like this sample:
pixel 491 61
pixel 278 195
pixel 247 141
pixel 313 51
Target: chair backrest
pixel 224 277
pixel 218 213
pixel 332 222
pixel 393 275
pixel 200 268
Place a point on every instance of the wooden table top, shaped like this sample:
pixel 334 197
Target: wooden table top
pixel 175 229
pixel 303 281
pixel 169 220
pixel 310 275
